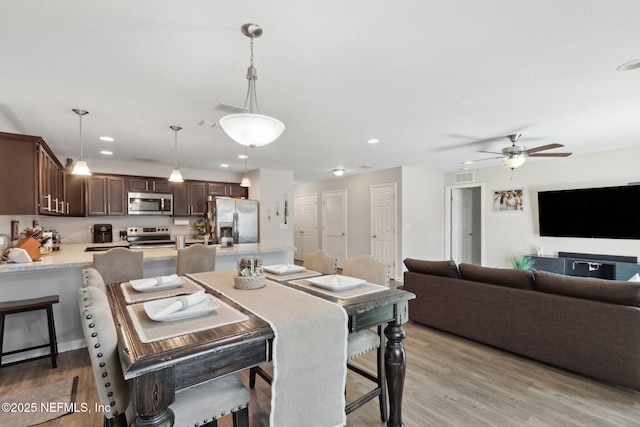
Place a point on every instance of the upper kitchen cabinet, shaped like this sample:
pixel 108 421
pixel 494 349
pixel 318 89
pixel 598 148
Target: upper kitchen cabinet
pixel 106 195
pixel 33 177
pixel 148 185
pixel 215 189
pixel 190 198
pixel 236 191
pixel 75 194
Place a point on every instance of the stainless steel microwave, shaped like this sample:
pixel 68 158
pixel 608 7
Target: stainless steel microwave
pixel 149 204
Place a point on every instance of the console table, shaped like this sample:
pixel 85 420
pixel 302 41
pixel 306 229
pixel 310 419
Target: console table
pixel 588 265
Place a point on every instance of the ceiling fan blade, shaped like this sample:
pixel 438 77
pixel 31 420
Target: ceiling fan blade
pixel 490 152
pixel 488 158
pixel 544 147
pixel 550 155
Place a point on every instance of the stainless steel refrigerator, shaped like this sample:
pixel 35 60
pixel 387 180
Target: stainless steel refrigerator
pixel 238 219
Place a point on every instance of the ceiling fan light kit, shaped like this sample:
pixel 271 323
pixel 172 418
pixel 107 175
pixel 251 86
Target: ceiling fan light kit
pixel 514 156
pixel 252 128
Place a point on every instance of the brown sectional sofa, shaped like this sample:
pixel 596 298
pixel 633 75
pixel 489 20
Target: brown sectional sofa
pixel 590 326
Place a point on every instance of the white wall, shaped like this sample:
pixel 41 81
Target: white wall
pixel 507 233
pixel 420 206
pixel 272 188
pixel 423 214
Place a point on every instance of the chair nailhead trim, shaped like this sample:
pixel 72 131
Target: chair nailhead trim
pixel 104 375
pixel 99 354
pixel 95 334
pixel 107 385
pixel 89 316
pixel 97 345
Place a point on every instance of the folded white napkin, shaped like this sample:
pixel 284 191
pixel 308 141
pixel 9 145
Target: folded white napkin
pixel 182 303
pixel 153 281
pixel 283 268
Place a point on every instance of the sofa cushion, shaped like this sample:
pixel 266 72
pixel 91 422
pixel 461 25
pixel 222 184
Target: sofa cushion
pixel 437 268
pixel 521 279
pixel 613 291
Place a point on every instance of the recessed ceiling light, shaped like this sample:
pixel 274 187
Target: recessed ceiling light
pixel 373 141
pixel 631 65
pixel 338 172
pixel 467 162
pixel 106 138
pixel 243 156
pixel 106 152
pixel 224 165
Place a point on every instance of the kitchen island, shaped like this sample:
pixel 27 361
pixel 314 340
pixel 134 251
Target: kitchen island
pixel 60 273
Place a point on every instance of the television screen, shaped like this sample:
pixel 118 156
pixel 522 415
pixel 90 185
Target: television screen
pixel 606 212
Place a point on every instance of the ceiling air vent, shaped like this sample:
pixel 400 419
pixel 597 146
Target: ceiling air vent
pixel 463 177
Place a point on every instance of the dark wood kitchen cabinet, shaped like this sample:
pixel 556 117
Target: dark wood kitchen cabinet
pixel 75 189
pixel 32 177
pixel 190 198
pixel 106 195
pixel 215 189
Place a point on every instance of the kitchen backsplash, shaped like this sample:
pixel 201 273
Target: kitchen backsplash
pixel 78 230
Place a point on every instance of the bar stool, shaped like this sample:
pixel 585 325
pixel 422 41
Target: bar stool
pixel 22 306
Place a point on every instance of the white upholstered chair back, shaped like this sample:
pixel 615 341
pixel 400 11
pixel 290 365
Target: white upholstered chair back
pixel 91 277
pixel 321 262
pixel 195 259
pixel 102 343
pixel 367 268
pixel 119 265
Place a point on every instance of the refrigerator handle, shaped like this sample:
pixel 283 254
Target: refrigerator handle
pixel 235 227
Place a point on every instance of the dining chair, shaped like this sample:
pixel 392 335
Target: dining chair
pixel 92 277
pixel 366 340
pixel 195 259
pixel 199 405
pixel 321 262
pixel 119 265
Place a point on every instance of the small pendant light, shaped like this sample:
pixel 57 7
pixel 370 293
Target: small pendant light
pixel 176 176
pixel 81 167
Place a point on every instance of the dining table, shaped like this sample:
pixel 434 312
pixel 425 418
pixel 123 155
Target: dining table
pixel 165 358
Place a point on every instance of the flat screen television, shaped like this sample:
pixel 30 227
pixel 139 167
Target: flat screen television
pixel 605 212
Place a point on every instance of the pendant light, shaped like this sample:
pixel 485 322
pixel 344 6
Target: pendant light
pixel 245 182
pixel 252 128
pixel 176 176
pixel 81 167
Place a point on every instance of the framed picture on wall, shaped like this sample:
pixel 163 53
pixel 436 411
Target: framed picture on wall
pixel 508 200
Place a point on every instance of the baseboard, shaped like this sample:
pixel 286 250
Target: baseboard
pixel 41 352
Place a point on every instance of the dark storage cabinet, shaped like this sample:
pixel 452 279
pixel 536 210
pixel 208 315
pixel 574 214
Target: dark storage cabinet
pixel 33 178
pixel 106 195
pixel 148 185
pixel 190 198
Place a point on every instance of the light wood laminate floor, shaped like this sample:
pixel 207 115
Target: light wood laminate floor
pixel 450 381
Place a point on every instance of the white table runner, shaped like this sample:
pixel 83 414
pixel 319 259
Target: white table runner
pixel 309 350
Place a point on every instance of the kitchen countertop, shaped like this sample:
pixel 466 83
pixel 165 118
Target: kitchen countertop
pixel 73 255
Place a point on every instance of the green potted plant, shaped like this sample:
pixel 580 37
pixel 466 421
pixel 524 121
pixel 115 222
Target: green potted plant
pixel 522 262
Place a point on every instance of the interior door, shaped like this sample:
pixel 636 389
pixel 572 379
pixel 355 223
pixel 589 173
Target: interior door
pixel 383 225
pixel 462 225
pixel 465 224
pixel 334 219
pixel 305 212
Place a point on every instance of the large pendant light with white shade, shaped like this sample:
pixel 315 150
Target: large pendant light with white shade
pixel 81 167
pixel 252 128
pixel 176 176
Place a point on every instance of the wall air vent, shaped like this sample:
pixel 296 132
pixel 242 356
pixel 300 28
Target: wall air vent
pixel 463 177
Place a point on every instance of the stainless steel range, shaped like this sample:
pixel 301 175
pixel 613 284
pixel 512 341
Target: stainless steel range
pixel 149 237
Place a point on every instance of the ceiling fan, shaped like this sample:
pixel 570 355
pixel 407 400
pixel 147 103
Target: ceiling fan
pixel 515 155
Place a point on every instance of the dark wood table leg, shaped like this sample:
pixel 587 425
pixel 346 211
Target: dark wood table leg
pixel 395 368
pixel 152 395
